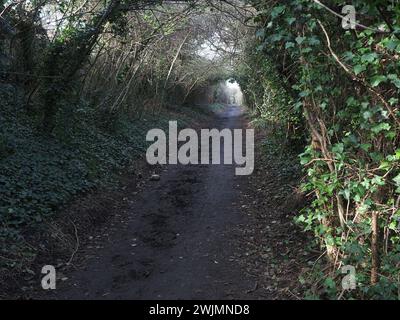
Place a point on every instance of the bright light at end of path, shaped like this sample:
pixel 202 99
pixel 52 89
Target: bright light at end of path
pixel 234 92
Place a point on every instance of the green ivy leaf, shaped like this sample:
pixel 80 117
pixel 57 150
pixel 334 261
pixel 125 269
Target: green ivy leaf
pixel 377 80
pixel 397 182
pixel 394 79
pixel 359 68
pixel 369 57
pixel 300 40
pixel 289 45
pixel 276 11
pixel 381 127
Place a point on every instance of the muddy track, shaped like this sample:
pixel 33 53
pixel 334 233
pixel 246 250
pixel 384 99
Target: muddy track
pixel 176 240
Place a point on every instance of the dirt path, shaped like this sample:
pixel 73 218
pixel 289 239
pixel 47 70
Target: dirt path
pixel 175 241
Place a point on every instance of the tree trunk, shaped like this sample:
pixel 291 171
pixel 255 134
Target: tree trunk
pixel 60 69
pixel 374 248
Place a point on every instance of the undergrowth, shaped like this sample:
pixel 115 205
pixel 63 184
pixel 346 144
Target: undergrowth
pixel 39 174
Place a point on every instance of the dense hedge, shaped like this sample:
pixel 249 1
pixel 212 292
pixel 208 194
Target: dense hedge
pixel 345 85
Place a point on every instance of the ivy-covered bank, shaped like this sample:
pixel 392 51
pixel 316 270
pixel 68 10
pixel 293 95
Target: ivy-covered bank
pixel 40 174
pixel 343 87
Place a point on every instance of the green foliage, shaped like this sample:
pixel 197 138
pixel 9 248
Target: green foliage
pixel 266 96
pixel 352 162
pixel 40 174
